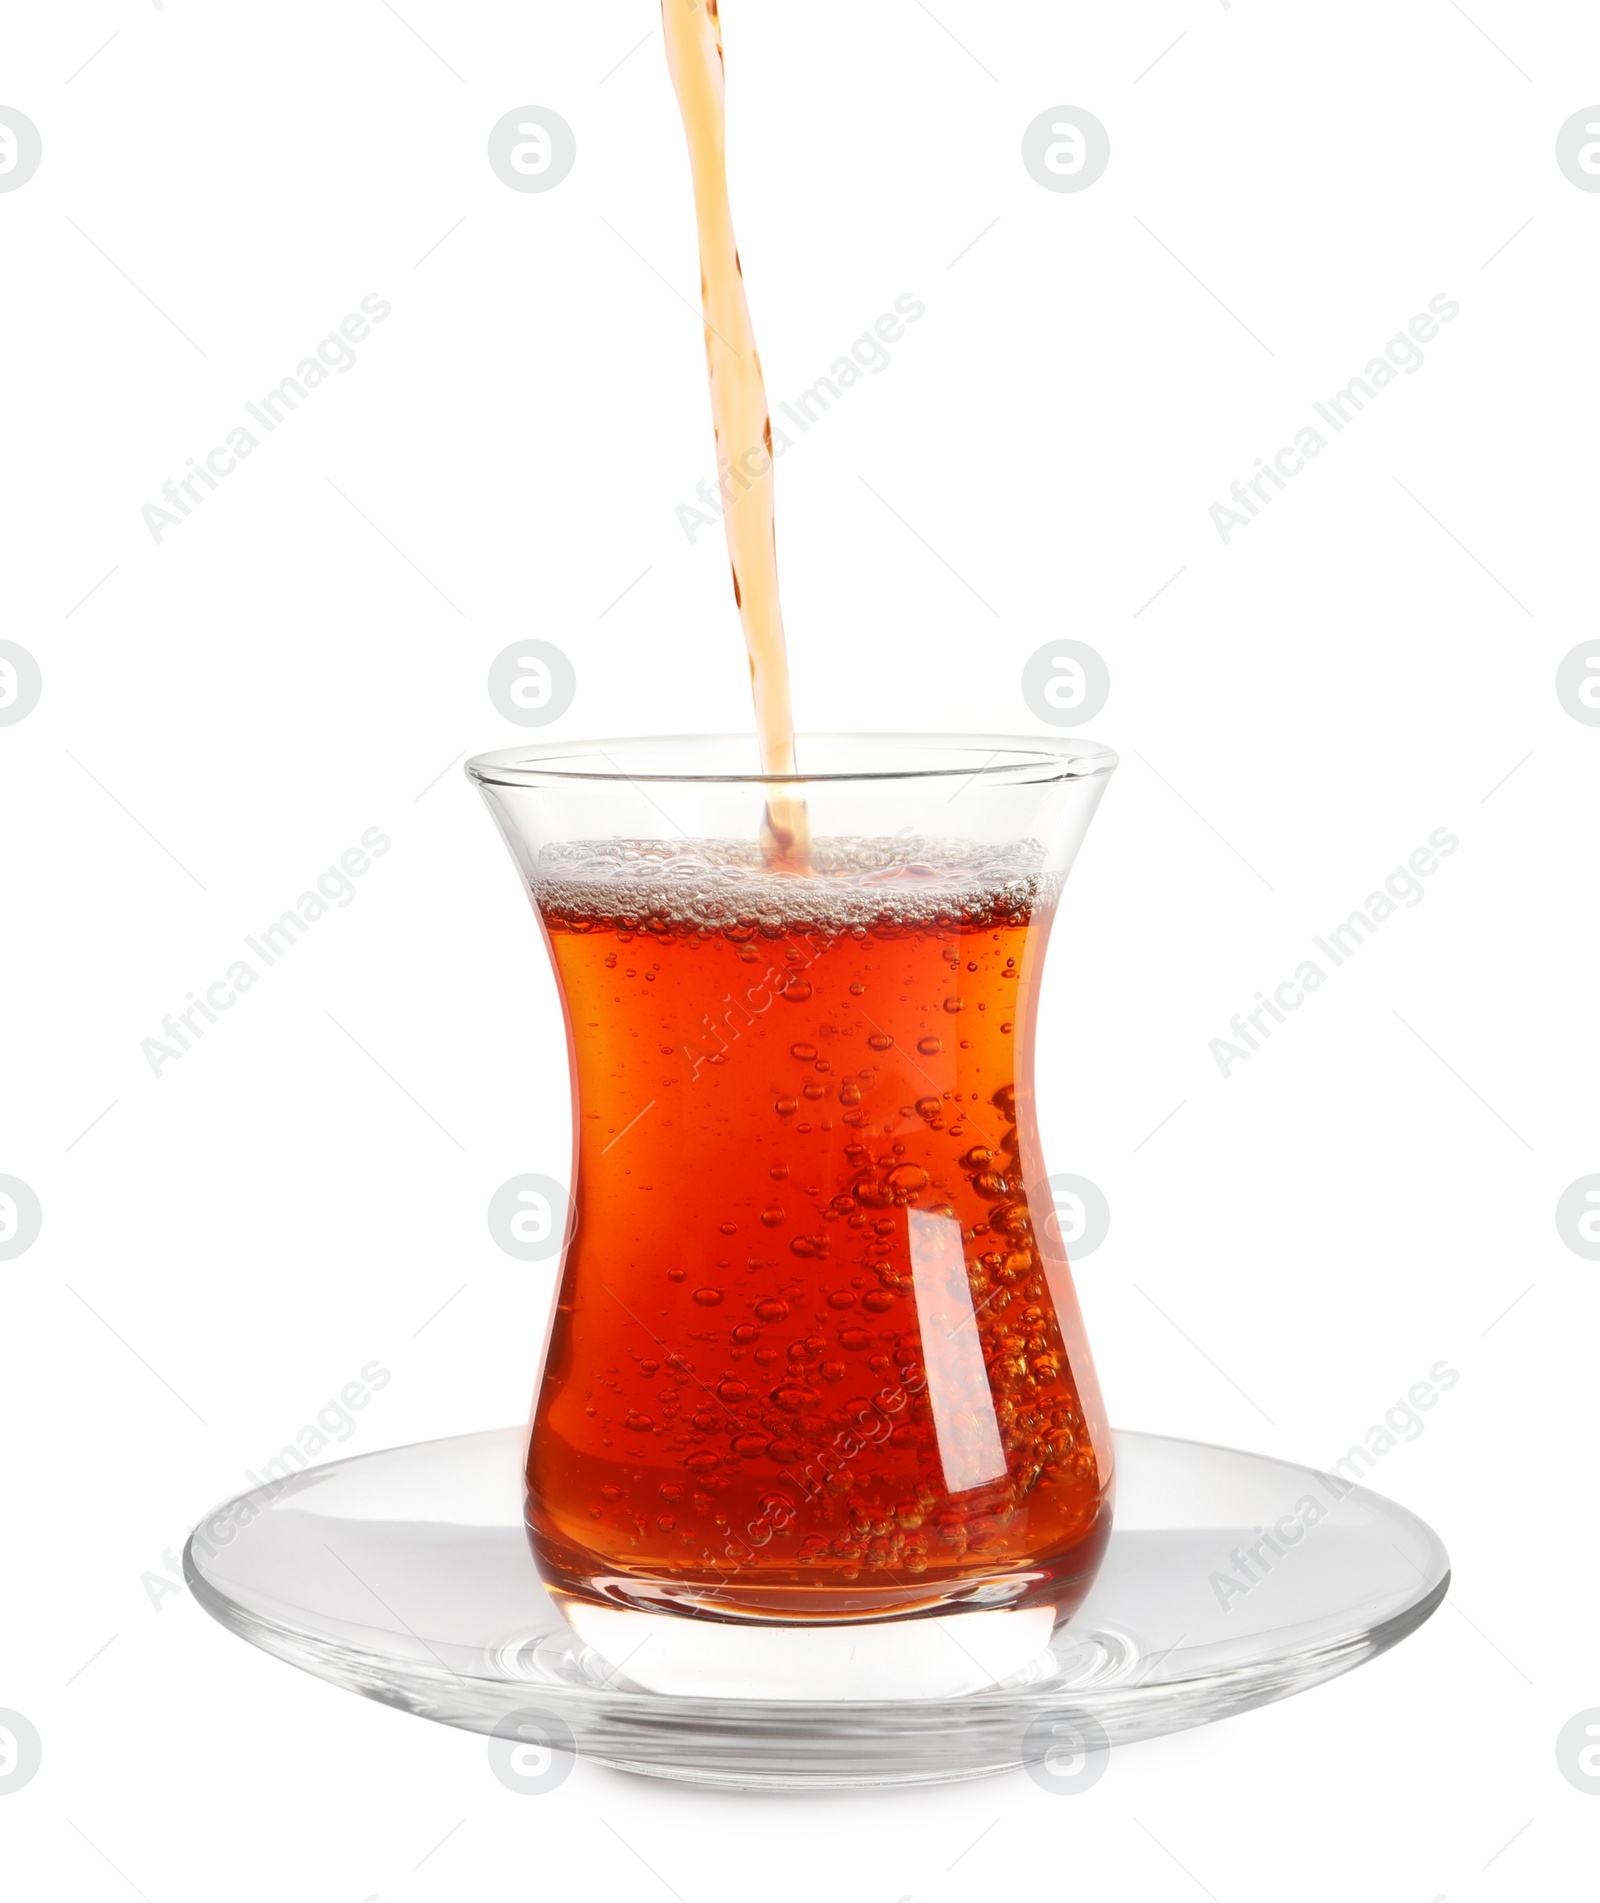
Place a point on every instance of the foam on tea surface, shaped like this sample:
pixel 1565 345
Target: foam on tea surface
pixel 727 884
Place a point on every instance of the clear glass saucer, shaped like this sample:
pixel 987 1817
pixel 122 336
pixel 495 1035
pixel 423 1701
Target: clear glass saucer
pixel 1231 1580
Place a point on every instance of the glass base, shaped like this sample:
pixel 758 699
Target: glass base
pixel 889 1658
pixel 1230 1580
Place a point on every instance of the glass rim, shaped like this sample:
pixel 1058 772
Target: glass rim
pixel 1001 759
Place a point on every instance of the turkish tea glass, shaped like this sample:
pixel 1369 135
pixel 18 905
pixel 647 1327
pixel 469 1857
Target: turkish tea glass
pixel 816 1397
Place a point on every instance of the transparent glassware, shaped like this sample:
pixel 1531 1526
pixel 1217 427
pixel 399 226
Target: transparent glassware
pixel 405 1575
pixel 815 1361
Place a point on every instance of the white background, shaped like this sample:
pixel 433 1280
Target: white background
pixel 228 710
